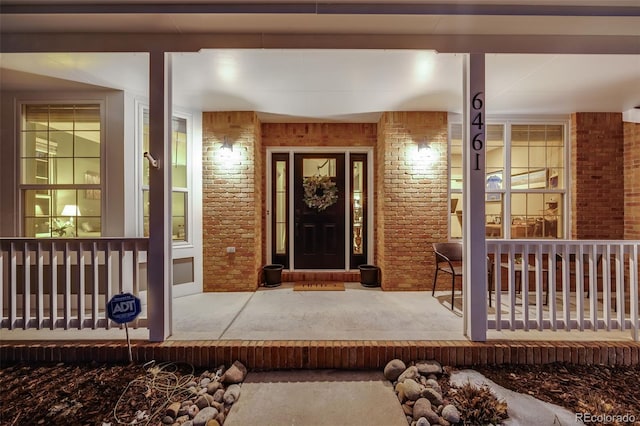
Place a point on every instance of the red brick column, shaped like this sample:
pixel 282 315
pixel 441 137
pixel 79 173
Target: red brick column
pixel 411 202
pixel 598 181
pixel 231 201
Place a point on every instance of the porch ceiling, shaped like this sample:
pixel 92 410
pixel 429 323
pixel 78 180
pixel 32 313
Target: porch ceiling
pixel 355 85
pixel 344 85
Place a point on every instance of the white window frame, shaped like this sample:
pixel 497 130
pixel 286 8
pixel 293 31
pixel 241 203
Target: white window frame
pixel 507 122
pixel 188 190
pixel 20 104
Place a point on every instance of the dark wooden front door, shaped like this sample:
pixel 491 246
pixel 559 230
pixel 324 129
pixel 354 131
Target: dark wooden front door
pixel 319 237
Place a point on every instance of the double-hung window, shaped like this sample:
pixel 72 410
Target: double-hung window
pixel 179 177
pixel 525 180
pixel 60 169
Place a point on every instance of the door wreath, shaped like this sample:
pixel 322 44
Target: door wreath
pixel 320 192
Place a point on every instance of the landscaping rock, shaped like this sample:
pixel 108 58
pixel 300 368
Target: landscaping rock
pixel 429 367
pixel 422 408
pixel 394 369
pixel 173 409
pixel 235 374
pixel 205 400
pixel 232 394
pixel 433 396
pixel 422 421
pixel 450 413
pixel 411 389
pixel 204 416
pixel 213 386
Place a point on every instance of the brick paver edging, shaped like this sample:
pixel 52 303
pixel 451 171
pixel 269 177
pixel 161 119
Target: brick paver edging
pixel 338 354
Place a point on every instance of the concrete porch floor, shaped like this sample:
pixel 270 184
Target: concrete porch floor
pixel 280 313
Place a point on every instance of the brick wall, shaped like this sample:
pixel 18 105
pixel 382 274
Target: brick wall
pixel 597 166
pixel 232 203
pixel 411 200
pixel 632 181
pixel 318 134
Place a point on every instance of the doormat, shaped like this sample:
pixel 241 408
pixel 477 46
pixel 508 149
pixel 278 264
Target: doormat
pixel 318 286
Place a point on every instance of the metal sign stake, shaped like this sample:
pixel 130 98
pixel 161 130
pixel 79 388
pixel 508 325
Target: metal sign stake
pixel 126 330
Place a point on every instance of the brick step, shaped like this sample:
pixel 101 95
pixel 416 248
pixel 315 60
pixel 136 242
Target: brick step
pixel 297 354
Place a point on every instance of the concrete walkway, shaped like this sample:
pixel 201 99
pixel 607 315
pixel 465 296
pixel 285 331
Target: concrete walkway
pixel 316 398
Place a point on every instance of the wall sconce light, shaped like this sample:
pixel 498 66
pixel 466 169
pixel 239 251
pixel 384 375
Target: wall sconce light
pixel 424 148
pixel 227 144
pixel 427 153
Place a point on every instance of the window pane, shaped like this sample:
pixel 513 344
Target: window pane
pixel 61 117
pixel 536 215
pixel 455 208
pixel 145 146
pixel 87 171
pixel 179 152
pixel 61 171
pixel 87 144
pixel 145 213
pixel 36 117
pixel 178 208
pixel 357 213
pixel 494 217
pixel 281 207
pixel 87 117
pixel 60 144
pixel 319 167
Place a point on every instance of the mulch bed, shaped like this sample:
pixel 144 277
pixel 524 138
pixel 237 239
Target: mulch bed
pixel 68 394
pixel 596 390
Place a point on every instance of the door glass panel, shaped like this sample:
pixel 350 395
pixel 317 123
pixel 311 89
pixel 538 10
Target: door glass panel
pixel 319 167
pixel 281 207
pixel 358 225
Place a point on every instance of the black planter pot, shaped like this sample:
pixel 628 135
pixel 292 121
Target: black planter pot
pixel 272 275
pixel 369 275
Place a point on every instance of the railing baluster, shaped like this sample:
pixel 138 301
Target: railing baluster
pixel 620 299
pixel 512 289
pixel 539 277
pixel 67 286
pixel 579 274
pixel 566 288
pixel 13 286
pixel 606 286
pixel 81 284
pixel 593 288
pixel 109 278
pixel 3 284
pixel 96 292
pixel 53 301
pixel 634 293
pixel 40 285
pixel 551 286
pixel 524 285
pixel 26 294
pixel 497 270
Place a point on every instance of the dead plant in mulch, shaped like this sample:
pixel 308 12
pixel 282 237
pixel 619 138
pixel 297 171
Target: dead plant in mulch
pixel 478 405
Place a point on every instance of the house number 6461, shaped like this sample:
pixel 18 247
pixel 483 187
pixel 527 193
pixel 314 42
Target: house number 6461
pixel 477 122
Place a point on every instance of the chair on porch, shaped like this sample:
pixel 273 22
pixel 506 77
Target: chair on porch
pixel 449 261
pixel 585 269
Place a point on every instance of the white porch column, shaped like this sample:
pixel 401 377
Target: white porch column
pixel 473 219
pixel 159 258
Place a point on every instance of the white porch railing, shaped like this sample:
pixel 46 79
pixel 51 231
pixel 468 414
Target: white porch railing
pixel 568 284
pixel 66 283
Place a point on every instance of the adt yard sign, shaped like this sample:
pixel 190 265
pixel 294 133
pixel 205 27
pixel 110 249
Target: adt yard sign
pixel 123 308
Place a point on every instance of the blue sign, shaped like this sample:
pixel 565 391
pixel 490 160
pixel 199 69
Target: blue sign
pixel 123 308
